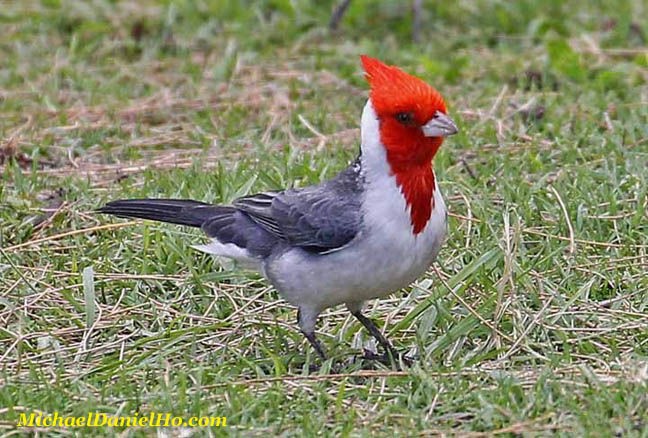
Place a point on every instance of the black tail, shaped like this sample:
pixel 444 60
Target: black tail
pixel 175 211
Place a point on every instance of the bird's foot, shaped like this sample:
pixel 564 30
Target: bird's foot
pixel 316 368
pixel 387 359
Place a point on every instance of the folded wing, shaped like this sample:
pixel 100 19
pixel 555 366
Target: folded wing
pixel 320 219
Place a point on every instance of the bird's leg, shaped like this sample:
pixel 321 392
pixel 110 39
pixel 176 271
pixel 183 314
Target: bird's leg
pixel 338 13
pixel 371 327
pixel 307 327
pixel 317 345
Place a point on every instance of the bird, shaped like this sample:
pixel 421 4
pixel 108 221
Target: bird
pixel 369 231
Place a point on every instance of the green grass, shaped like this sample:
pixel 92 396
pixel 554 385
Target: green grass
pixel 533 322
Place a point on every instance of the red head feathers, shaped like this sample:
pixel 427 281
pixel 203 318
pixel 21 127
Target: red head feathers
pixel 404 104
pixel 393 90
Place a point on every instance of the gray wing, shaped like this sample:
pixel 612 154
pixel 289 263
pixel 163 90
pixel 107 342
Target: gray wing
pixel 320 219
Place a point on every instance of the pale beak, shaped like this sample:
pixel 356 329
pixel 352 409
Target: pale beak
pixel 439 126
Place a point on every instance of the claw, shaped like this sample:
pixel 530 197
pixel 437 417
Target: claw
pixel 386 358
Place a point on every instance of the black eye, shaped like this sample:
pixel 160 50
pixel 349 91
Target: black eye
pixel 405 118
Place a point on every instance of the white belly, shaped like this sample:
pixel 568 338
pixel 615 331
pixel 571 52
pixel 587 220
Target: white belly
pixel 382 259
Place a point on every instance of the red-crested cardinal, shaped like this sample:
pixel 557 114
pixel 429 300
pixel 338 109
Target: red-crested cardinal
pixel 371 230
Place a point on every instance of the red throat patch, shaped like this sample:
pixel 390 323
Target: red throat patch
pixel 418 189
pixel 410 155
pixel 409 151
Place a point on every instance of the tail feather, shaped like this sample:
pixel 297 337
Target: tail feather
pixel 175 211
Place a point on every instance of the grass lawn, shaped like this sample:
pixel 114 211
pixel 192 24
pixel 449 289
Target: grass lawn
pixel 533 322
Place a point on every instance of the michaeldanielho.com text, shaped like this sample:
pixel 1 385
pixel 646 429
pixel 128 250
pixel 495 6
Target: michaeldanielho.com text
pixel 99 419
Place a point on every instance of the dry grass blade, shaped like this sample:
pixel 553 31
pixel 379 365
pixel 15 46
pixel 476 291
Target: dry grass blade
pixel 68 234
